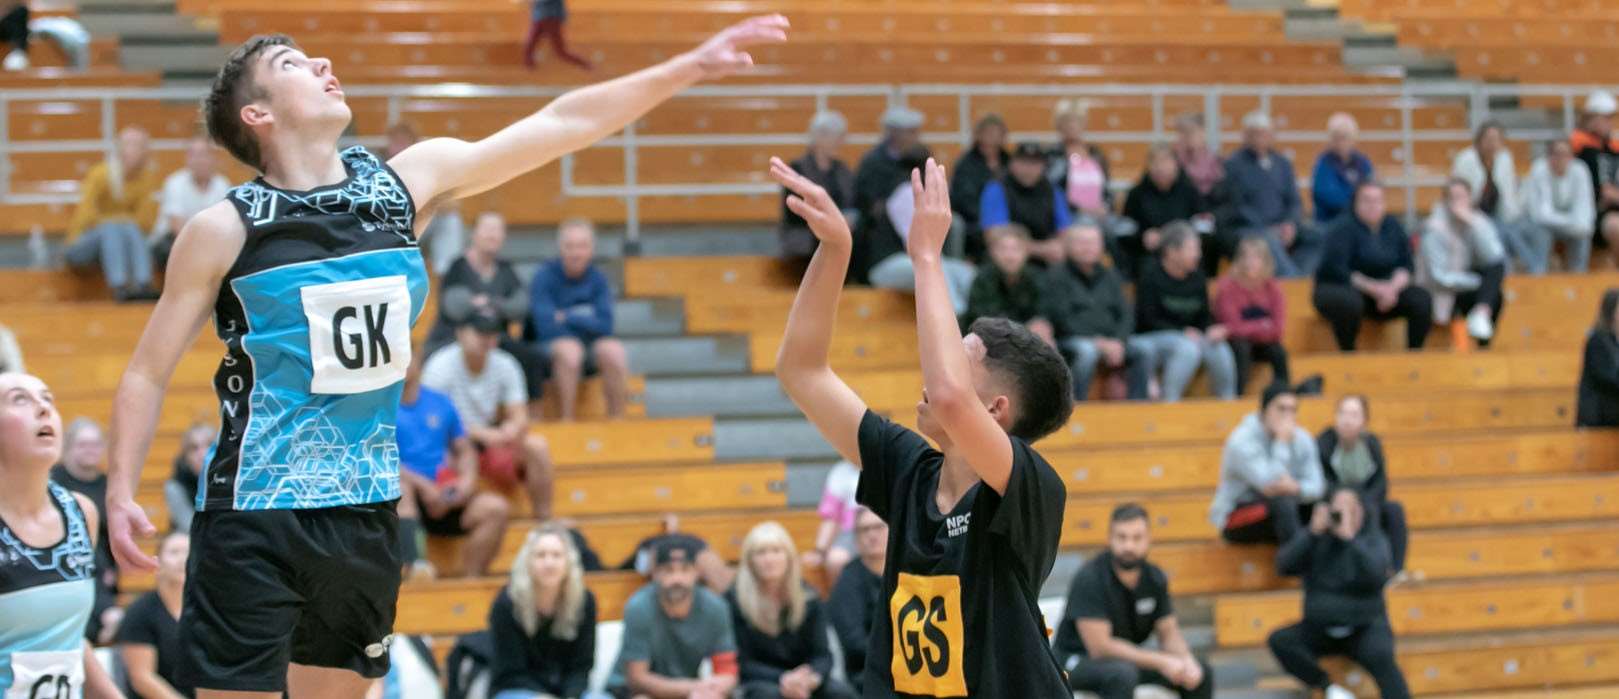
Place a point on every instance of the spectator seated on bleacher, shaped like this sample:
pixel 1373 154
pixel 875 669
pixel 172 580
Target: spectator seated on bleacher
pixel 482 279
pixel 1460 261
pixel 1023 196
pixel 1367 272
pixel 548 18
pixel 543 623
pixel 1248 301
pixel 884 242
pixel 712 570
pixel 882 169
pixel 1163 194
pixel 1078 169
pixel 117 204
pixel 1353 457
pixel 486 386
pixel 835 538
pixel 821 165
pixel 1491 177
pixel 180 491
pixel 1339 169
pixel 1199 162
pixel 1175 326
pixel 983 162
pixel 1559 198
pixel 445 237
pixel 84 471
pixel 858 595
pixel 571 303
pixel 1596 144
pixel 671 627
pixel 10 352
pixel 1265 200
pixel 1599 370
pixel 1269 473
pixel 1118 601
pixel 149 637
pixel 14 32
pixel 1091 316
pixel 783 650
pixel 1343 561
pixel 186 191
pixel 438 478
pixel 1008 286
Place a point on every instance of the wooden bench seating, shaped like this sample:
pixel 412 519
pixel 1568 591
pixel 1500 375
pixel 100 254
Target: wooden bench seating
pixel 1520 665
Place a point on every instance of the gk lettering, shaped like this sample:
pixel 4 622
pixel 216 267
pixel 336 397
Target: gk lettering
pixel 358 338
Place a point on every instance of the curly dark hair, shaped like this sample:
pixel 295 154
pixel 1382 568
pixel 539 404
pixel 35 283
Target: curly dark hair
pixel 233 87
pixel 1044 389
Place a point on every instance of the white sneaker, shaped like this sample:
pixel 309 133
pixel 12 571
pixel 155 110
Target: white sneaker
pixel 1336 692
pixel 1479 326
pixel 16 60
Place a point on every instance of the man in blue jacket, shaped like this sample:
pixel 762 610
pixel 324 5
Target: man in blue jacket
pixel 572 306
pixel 1265 200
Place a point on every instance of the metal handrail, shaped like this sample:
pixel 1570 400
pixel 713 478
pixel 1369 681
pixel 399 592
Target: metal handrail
pixel 1406 97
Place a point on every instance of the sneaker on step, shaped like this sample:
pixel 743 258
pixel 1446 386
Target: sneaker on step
pixel 1337 692
pixel 1479 326
pixel 16 60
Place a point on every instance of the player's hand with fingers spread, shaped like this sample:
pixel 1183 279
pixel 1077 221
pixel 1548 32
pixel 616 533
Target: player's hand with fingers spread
pixel 126 520
pixel 813 204
pixel 726 52
pixel 931 222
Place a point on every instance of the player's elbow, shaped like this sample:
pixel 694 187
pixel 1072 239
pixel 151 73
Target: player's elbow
pixel 951 402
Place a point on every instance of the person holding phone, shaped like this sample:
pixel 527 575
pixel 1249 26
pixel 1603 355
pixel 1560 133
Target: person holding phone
pixel 1343 560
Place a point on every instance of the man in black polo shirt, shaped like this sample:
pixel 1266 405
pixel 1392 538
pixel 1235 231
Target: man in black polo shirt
pixel 1115 603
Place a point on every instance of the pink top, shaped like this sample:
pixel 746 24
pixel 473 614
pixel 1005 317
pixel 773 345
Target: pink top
pixel 837 501
pixel 1255 315
pixel 1085 182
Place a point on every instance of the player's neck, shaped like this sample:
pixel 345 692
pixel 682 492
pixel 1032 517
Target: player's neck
pixel 170 592
pixel 25 494
pixel 300 165
pixel 956 476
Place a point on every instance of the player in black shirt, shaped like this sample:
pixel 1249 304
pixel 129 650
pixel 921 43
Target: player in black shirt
pixel 973 526
pixel 1115 603
pixel 149 638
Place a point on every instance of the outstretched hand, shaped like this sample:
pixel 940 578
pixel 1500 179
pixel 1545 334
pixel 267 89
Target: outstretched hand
pixel 931 222
pixel 126 519
pixel 726 52
pixel 811 202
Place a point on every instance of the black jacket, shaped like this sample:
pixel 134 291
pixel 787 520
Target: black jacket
pixel 967 182
pixel 1599 381
pixel 1343 580
pixel 1375 488
pixel 764 658
pixel 1094 305
pixel 540 663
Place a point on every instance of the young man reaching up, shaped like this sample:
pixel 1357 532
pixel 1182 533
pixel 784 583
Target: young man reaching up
pixel 973 525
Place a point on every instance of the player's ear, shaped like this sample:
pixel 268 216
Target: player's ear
pixel 255 114
pixel 1000 408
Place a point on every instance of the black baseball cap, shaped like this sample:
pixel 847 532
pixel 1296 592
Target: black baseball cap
pixel 1029 149
pixel 484 320
pixel 676 548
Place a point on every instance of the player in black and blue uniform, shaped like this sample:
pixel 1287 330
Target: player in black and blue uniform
pixel 312 276
pixel 47 556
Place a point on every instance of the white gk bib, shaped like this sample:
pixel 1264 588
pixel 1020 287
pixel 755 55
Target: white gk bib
pixel 47 675
pixel 359 334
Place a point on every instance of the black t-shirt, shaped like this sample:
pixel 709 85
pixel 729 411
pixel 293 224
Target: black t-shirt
pixel 147 622
pixel 1097 593
pixel 963 586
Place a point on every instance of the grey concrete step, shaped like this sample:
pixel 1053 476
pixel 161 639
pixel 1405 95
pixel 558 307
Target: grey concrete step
pixel 648 318
pixel 1404 57
pixel 722 396
pixel 167 6
pixel 182 58
pixel 135 28
pixel 769 439
pixel 654 356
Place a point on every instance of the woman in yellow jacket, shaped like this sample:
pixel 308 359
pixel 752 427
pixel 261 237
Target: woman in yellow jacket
pixel 117 203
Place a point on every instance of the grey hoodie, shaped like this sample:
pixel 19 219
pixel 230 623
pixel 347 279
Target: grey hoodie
pixel 1252 460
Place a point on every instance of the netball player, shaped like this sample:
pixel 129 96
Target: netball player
pixel 973 524
pixel 313 279
pixel 47 556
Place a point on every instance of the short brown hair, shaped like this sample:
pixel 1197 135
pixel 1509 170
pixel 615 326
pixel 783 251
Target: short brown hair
pixel 233 87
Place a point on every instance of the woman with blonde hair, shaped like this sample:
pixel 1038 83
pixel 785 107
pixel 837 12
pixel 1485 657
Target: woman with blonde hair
pixel 780 628
pixel 1248 301
pixel 543 623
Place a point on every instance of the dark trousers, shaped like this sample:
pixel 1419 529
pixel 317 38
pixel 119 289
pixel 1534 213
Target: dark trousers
pixel 829 689
pixel 1488 293
pixel 1247 351
pixel 1111 678
pixel 1298 647
pixel 1391 515
pixel 1344 306
pixel 549 27
pixel 14 28
pixel 1286 516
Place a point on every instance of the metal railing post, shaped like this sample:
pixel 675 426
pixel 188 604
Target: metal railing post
pixel 632 198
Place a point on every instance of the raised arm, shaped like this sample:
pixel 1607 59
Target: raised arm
pixel 203 252
pixel 802 366
pixel 946 373
pixel 447 168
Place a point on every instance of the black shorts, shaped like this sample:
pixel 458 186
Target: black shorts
pixel 448 525
pixel 267 588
